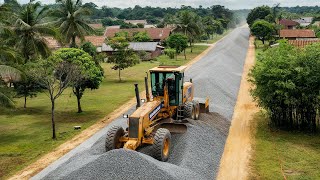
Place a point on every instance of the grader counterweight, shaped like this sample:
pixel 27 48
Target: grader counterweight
pixel 162 114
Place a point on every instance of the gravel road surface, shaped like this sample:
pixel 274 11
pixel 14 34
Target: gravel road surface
pixel 195 154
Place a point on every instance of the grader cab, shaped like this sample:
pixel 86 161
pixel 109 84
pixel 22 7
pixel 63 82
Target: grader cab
pixel 163 113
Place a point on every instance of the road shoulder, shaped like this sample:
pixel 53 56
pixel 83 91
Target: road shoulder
pixel 234 163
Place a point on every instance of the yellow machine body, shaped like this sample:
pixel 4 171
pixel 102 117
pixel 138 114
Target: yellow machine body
pixel 159 110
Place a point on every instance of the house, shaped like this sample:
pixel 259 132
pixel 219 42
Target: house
pixel 96 26
pixel 135 22
pixel 297 34
pixel 55 44
pixel 95 40
pixel 156 34
pixel 304 21
pixel 302 43
pixel 288 24
pixel 152 48
pixel 52 43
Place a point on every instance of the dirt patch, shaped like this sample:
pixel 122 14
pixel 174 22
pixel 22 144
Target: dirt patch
pixel 237 152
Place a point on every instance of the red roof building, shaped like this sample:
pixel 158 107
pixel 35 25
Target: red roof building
pixel 302 43
pixel 297 34
pixel 156 34
pixel 96 26
pixel 288 24
pixel 95 40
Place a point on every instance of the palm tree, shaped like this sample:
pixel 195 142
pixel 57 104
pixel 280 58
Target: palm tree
pixel 8 74
pixel 71 20
pixel 30 28
pixel 189 23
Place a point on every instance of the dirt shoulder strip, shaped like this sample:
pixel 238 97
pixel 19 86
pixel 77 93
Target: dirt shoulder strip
pixel 234 163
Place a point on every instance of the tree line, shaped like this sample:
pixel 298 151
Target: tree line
pixel 28 66
pixel 287 85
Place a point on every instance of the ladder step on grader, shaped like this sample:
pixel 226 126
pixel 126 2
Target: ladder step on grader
pixel 163 113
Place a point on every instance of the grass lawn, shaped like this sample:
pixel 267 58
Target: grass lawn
pixel 217 37
pixel 278 153
pixel 26 133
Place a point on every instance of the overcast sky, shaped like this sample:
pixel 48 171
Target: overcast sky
pixel 231 4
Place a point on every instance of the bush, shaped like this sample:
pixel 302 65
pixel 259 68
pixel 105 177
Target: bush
pixel 287 85
pixel 170 53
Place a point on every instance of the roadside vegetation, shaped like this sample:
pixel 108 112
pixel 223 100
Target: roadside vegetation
pixel 286 88
pixel 26 134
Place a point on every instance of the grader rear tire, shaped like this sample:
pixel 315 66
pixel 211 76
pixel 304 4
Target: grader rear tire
pixel 189 110
pixel 112 139
pixel 161 144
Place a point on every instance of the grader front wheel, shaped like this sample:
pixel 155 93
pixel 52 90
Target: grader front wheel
pixel 112 139
pixel 189 110
pixel 196 107
pixel 161 144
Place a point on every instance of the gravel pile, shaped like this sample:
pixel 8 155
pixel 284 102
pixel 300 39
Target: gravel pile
pixel 195 154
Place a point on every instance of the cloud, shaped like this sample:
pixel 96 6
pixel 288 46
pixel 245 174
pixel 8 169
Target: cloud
pixel 231 4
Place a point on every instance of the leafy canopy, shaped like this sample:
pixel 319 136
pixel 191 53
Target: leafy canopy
pixel 263 30
pixel 257 13
pixel 178 41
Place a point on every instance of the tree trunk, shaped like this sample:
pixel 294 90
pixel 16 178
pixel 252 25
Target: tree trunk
pixel 262 41
pixel 73 42
pixel 119 74
pixel 25 102
pixel 52 120
pixel 78 100
pixel 191 46
pixel 185 56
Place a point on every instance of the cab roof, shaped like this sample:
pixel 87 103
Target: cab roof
pixel 169 69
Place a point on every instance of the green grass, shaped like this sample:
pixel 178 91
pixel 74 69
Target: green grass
pixel 196 50
pixel 217 37
pixel 297 153
pixel 26 133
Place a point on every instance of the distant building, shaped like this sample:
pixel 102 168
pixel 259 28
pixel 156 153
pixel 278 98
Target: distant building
pixel 304 21
pixel 156 34
pixel 52 43
pixel 135 22
pixel 96 26
pixel 302 43
pixel 95 40
pixel 152 48
pixel 288 24
pixel 297 34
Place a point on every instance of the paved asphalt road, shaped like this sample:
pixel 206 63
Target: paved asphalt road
pixel 217 75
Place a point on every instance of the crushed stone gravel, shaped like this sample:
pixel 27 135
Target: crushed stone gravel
pixel 195 154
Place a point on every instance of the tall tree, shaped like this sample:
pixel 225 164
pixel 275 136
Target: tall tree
pixel 263 30
pixel 123 57
pixel 188 23
pixel 71 20
pixel 179 42
pixel 257 13
pixel 30 27
pixel 55 74
pixel 91 73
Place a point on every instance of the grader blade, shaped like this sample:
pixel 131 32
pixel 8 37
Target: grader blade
pixel 175 128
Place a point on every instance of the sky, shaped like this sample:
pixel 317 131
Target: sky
pixel 231 4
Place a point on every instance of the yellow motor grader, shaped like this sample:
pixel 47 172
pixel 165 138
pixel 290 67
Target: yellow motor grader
pixel 163 113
